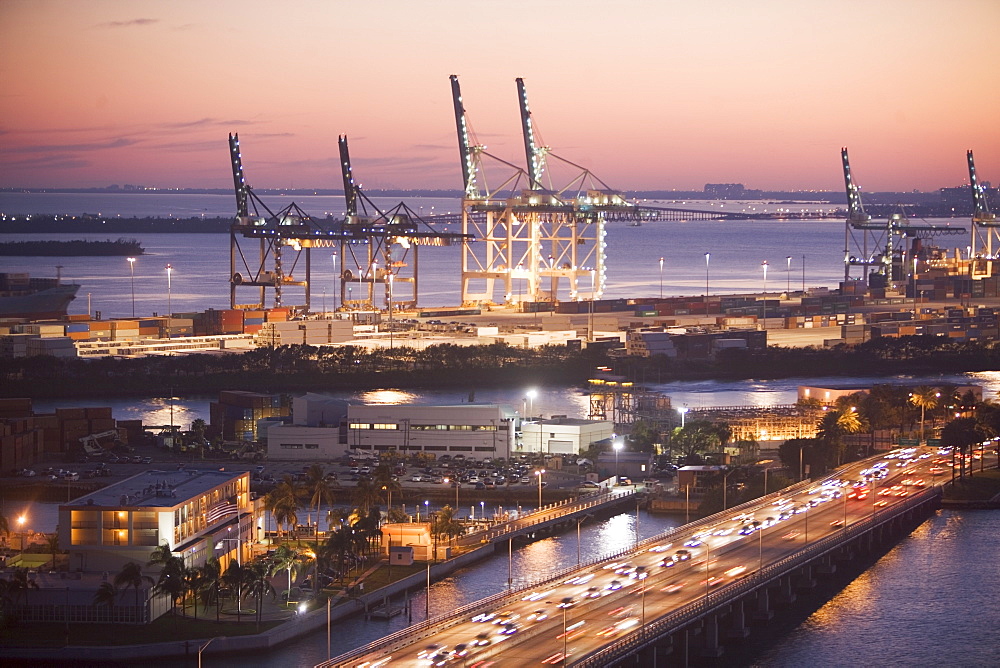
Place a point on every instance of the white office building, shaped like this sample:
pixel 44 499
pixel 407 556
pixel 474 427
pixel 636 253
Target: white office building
pixel 563 435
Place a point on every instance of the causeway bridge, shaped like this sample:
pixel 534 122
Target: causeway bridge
pixel 685 594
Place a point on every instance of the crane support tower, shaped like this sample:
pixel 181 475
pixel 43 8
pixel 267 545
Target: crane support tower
pixel 985 226
pixel 374 245
pixel 887 252
pixel 539 242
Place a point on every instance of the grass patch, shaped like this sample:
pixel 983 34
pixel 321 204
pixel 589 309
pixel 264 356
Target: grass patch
pixel 166 628
pixel 982 486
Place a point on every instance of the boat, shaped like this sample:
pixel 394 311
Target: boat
pixel 34 298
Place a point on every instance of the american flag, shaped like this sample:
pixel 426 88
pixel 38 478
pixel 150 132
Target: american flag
pixel 220 510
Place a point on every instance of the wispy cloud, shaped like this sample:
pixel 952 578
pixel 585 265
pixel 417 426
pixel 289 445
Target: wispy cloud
pixel 128 24
pixel 55 161
pixel 117 142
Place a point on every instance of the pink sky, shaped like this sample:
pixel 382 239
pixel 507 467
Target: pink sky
pixel 647 94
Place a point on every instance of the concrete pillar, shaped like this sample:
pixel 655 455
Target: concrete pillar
pixel 826 566
pixel 786 592
pixel 763 611
pixel 739 628
pixel 805 579
pixel 711 648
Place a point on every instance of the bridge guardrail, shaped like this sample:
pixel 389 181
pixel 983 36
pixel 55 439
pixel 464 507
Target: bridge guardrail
pixel 418 630
pixel 722 596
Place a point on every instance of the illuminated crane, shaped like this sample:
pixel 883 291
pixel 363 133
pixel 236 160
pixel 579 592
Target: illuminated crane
pixel 886 251
pixel 985 226
pixel 534 235
pixel 292 230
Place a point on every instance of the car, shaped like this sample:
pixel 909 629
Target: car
pixel 537 616
pixel 694 542
pixel 682 555
pixel 416 477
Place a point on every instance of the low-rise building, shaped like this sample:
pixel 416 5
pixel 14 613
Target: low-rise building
pixel 196 513
pixel 563 435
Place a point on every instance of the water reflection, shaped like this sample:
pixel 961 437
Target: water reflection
pixel 530 563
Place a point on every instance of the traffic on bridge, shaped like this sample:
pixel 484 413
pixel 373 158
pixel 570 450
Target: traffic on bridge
pixel 573 617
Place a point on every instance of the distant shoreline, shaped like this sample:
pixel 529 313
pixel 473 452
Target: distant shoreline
pixel 71 248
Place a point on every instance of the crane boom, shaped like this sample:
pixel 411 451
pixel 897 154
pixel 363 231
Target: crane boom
pixel 239 181
pixel 464 143
pixel 350 190
pixel 855 209
pixel 528 130
pixel 981 207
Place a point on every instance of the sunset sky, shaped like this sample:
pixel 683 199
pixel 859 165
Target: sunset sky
pixel 648 94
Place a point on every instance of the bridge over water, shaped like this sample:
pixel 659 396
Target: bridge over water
pixel 654 604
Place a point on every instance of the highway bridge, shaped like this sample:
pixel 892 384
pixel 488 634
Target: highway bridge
pixel 684 593
pixel 550 517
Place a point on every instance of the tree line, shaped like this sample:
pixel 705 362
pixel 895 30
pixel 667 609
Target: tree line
pixel 303 368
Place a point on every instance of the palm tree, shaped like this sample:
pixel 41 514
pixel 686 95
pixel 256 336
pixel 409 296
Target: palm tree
pixel 340 545
pixel 211 590
pixel 106 595
pixel 194 580
pixel 160 555
pixel 963 433
pixel 234 578
pixel 924 397
pixel 286 559
pixel 446 524
pixel 4 524
pixel 53 544
pixel 19 584
pixel 171 581
pixel 257 585
pixel 131 576
pixel 367 494
pixel 318 489
pixel 283 502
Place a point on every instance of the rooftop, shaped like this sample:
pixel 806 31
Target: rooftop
pixel 156 489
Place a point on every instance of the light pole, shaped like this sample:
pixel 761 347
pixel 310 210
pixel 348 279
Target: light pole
pixel 539 473
pixel 202 648
pixel 336 280
pixel 239 562
pixel 763 297
pixel 530 396
pixel 131 268
pixel 707 256
pixel 390 309
pixel 683 410
pixel 788 276
pixel 661 278
pixel 618 445
pixel 170 270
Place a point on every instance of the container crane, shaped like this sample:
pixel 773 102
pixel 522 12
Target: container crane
pixel 530 232
pixel 889 251
pixel 985 226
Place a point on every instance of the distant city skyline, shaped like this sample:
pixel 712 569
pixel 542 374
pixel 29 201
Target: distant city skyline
pixel 648 96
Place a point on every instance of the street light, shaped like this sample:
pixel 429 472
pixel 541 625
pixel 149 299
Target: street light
pixel 763 297
pixel 530 396
pixel 618 445
pixel 661 278
pixel 202 648
pixel 390 309
pixel 170 270
pixel 683 410
pixel 336 283
pixel 788 276
pixel 707 256
pixel 131 267
pixel 539 473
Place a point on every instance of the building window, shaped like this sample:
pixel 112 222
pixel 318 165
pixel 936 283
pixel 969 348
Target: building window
pixel 460 448
pixel 485 449
pixel 291 446
pixel 312 446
